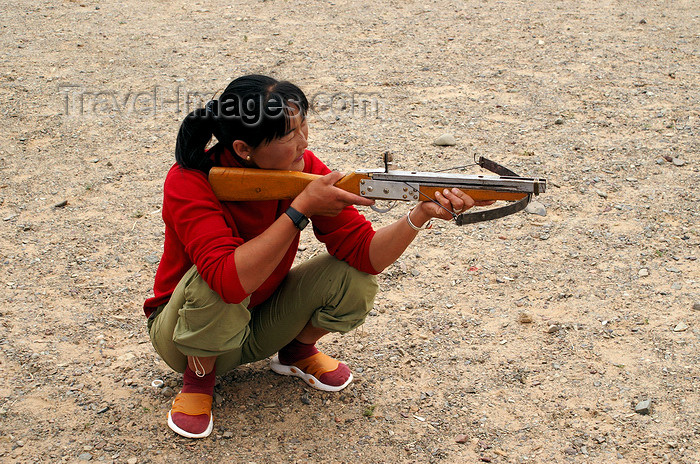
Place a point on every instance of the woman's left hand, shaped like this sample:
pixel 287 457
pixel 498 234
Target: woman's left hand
pixel 453 201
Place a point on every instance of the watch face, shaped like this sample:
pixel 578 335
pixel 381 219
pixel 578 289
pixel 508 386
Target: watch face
pixel 300 221
pixel 303 222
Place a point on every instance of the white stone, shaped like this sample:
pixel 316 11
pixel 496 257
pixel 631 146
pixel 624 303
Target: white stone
pixel 445 140
pixel 535 207
pixel 680 327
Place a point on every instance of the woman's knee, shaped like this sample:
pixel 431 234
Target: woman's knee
pixel 353 300
pixel 363 284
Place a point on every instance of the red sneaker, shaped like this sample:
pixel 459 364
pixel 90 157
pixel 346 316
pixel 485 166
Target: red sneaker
pixel 190 415
pixel 318 370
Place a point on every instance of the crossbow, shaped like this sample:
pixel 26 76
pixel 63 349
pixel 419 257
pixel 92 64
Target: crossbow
pixel 251 184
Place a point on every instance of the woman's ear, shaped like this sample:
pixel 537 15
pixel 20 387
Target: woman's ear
pixel 242 149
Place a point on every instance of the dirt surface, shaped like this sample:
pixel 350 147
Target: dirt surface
pixel 595 96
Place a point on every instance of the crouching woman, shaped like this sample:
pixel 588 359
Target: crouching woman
pixel 225 291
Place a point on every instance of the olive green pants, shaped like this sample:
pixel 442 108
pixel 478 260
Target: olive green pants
pixel 197 322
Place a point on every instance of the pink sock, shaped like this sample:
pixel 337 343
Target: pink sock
pixel 296 350
pixel 192 383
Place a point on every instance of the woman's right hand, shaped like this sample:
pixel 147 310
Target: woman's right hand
pixel 322 198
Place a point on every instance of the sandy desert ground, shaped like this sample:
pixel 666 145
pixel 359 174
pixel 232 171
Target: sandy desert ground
pixel 529 339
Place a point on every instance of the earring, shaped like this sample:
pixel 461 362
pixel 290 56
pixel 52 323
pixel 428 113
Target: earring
pixel 247 158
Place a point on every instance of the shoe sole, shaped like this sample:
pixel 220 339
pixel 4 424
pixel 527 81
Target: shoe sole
pixel 310 380
pixel 187 434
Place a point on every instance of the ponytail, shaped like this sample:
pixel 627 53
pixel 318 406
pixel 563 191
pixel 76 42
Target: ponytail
pixel 194 135
pixel 255 109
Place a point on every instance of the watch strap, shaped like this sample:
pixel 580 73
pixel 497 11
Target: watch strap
pixel 300 221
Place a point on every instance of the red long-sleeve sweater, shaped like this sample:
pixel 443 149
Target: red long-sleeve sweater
pixel 201 230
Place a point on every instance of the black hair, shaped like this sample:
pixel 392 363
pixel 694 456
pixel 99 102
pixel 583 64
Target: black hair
pixel 255 109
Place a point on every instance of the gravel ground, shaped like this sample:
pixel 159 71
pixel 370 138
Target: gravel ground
pixel 529 339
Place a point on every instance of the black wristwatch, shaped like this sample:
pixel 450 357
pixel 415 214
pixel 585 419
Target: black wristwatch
pixel 299 220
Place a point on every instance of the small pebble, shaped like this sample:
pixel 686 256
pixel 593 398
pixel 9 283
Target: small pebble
pixel 305 399
pixel 152 259
pixel 535 207
pixel 559 121
pixel 61 204
pixel 445 140
pixel 678 162
pixel 85 457
pixel 132 461
pixel 601 194
pixel 553 328
pixel 524 317
pixel 228 435
pixel 643 407
pixel 461 438
pixel 643 272
pixel 167 392
pixel 696 306
pixel 680 327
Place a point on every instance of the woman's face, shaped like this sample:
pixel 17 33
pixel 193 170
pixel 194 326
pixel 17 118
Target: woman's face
pixel 286 152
